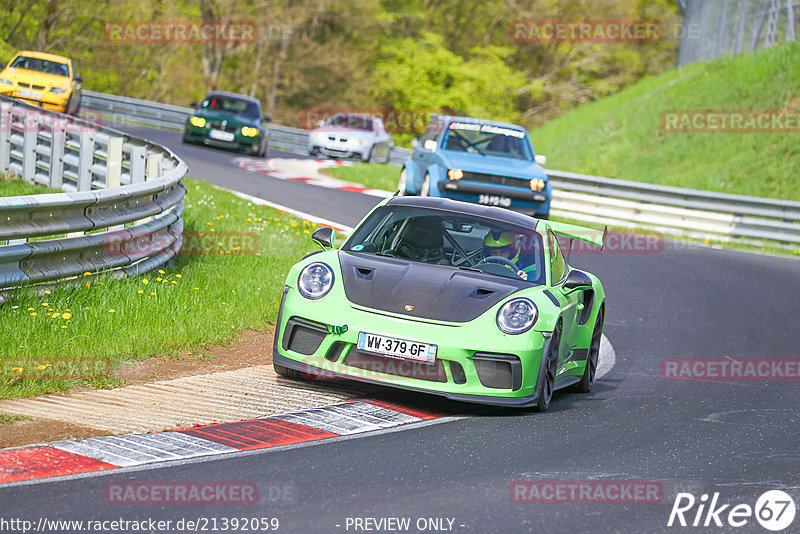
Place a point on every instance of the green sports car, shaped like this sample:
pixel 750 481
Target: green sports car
pixel 471 302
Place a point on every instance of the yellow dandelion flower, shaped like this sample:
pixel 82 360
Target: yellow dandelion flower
pixel 249 219
pixel 33 314
pixel 68 310
pixel 66 315
pixel 160 271
pixel 174 282
pixel 56 315
pixel 42 367
pixel 111 310
pixel 88 285
pixel 46 291
pixel 87 273
pixel 46 305
pixel 141 291
pixel 178 276
pixel 293 223
pixel 17 369
pixel 63 326
pixel 152 292
pixel 197 288
pixel 30 309
pixel 213 230
pixel 145 281
pixel 306 232
pixel 159 279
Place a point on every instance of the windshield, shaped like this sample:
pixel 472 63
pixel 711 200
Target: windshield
pixel 487 140
pixel 358 122
pixel 41 65
pixel 450 239
pixel 228 104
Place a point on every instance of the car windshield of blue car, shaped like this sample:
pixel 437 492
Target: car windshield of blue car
pixel 40 65
pixel 487 140
pixel 356 122
pixel 235 106
pixel 450 239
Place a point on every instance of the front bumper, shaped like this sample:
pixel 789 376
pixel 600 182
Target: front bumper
pixel 475 362
pixel 239 143
pixel 515 198
pixel 338 151
pixel 54 103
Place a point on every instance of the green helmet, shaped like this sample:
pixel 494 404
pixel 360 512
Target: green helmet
pixel 495 239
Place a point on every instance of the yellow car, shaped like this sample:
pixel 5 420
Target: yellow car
pixel 44 80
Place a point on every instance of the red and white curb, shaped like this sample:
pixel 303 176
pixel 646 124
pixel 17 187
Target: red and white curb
pixel 306 171
pixel 70 457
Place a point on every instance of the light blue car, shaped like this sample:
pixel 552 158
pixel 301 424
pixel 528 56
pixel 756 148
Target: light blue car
pixel 478 161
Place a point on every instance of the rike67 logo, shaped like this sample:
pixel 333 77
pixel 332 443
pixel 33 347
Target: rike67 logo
pixel 774 510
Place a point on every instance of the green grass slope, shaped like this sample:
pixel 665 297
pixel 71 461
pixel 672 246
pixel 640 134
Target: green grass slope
pixel 621 136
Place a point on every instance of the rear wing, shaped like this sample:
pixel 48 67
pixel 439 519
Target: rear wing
pixel 573 231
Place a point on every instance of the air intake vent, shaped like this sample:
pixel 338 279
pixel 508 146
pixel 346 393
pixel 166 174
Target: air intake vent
pixel 365 272
pixel 481 293
pixel 498 371
pixel 303 336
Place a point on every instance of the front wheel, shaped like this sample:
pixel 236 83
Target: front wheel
pixel 547 374
pixel 402 184
pixel 585 385
pixel 425 190
pixel 369 158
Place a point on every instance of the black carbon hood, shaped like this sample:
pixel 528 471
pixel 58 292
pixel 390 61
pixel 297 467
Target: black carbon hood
pixel 436 292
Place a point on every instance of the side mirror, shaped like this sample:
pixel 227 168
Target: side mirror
pixel 541 160
pixel 320 124
pixel 430 144
pixel 577 280
pixel 414 143
pixel 3 65
pixel 193 105
pixel 323 237
pixel 266 118
pixel 79 78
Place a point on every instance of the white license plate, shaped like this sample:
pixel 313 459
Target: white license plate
pixel 494 200
pixel 397 348
pixel 29 94
pixel 220 135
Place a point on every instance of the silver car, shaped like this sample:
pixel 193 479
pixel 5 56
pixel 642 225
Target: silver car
pixel 349 135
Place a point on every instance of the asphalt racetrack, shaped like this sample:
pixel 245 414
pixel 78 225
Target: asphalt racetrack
pixel 735 437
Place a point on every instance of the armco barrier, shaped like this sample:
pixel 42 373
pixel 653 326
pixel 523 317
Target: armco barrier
pixel 121 188
pixel 671 210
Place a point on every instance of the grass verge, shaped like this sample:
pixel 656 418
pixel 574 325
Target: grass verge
pixel 374 176
pixel 622 137
pixel 228 278
pixel 14 187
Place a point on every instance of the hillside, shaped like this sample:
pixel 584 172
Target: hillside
pixel 621 136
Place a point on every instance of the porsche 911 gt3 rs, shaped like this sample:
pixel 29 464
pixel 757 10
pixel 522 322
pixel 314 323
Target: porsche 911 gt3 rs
pixel 470 302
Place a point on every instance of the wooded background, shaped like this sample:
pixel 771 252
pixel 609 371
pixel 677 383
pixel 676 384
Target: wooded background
pixel 449 55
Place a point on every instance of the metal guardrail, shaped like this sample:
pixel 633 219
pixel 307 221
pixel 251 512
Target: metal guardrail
pixel 671 210
pixel 126 191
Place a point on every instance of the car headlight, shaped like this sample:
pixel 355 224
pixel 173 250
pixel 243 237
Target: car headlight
pixel 355 142
pixel 537 184
pixel 197 121
pixel 319 136
pixel 247 131
pixel 58 90
pixel 315 280
pixel 455 174
pixel 6 81
pixel 517 316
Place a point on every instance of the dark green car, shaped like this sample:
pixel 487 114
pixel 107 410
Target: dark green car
pixel 231 121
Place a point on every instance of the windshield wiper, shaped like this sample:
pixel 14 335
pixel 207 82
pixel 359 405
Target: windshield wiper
pixel 472 269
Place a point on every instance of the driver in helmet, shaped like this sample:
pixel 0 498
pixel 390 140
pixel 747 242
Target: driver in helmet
pixel 502 244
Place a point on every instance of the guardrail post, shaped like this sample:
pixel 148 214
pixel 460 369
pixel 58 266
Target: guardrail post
pixel 5 136
pixel 153 167
pixel 138 159
pixel 58 139
pixel 30 138
pixel 114 162
pixel 85 161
